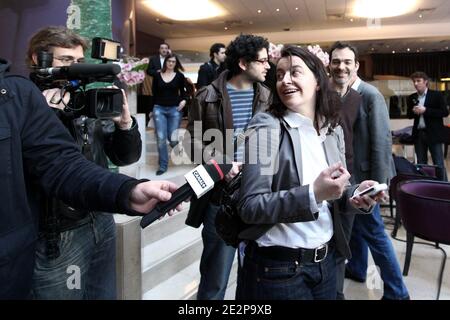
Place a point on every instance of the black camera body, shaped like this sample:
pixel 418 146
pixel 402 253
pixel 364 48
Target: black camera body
pixel 101 103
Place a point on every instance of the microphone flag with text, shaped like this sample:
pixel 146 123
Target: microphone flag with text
pixel 200 181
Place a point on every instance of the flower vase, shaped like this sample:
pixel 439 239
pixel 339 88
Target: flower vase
pixel 132 99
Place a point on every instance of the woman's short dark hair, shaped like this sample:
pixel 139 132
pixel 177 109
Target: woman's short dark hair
pixel 53 36
pixel 178 66
pixel 326 110
pixel 245 46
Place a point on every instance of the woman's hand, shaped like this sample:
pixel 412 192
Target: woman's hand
pixel 181 105
pixel 366 202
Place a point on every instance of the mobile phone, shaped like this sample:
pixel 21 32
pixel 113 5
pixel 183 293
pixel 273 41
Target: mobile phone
pixel 373 190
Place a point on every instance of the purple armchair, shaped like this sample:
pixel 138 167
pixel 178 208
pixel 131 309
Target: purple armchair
pixel 425 210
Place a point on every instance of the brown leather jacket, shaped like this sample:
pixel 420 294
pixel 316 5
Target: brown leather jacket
pixel 211 109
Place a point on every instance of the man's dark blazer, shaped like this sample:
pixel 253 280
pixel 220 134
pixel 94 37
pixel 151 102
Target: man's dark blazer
pixel 154 65
pixel 436 110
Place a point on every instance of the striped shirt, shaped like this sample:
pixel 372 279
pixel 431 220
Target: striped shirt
pixel 242 105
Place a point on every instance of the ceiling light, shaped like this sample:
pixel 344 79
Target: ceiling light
pixel 183 10
pixel 259 11
pixel 393 51
pixel 278 10
pixel 296 8
pixel 226 28
pixel 420 16
pixel 383 8
pixel 445 79
pixel 446 48
pixel 408 49
pixel 351 19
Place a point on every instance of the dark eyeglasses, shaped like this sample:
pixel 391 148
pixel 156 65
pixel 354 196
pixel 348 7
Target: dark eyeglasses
pixel 262 61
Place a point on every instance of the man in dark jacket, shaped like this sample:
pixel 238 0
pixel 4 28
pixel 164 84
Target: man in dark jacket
pixel 209 71
pixel 427 108
pixel 38 154
pixel 227 106
pixel 92 235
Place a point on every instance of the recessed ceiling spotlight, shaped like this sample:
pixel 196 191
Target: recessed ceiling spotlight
pixel 259 11
pixel 393 51
pixel 351 19
pixel 157 19
pixel 372 49
pixel 296 8
pixel 408 49
pixel 277 9
pixel 226 28
pixel 420 16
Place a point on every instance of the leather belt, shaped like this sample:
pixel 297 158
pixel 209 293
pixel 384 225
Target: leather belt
pixel 289 254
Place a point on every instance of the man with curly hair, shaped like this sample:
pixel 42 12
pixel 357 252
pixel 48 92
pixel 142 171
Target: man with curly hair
pixel 228 103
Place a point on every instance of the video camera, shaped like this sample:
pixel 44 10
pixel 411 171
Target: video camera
pixel 102 103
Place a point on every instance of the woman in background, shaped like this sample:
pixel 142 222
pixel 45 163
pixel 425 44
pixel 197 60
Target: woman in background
pixel 169 95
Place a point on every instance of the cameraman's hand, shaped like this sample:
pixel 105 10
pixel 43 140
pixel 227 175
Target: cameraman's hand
pixel 53 97
pixel 124 121
pixel 145 195
pixel 330 183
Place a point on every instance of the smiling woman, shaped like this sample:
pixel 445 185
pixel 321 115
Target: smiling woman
pixel 183 10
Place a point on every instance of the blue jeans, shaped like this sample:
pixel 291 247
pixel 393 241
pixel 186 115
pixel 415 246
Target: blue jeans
pixel 368 232
pixel 86 267
pixel 421 146
pixel 261 278
pixel 216 261
pixel 167 120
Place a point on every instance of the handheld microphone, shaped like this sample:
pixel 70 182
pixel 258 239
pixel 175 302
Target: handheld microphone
pixel 200 180
pixel 82 70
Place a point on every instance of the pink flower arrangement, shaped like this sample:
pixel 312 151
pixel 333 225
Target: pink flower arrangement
pixel 133 70
pixel 318 52
pixel 275 53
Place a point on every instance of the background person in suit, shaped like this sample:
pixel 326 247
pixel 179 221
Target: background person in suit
pixel 157 62
pixel 372 159
pixel 427 108
pixel 154 67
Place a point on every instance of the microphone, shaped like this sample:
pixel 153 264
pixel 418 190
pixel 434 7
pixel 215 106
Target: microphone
pixel 200 181
pixel 82 70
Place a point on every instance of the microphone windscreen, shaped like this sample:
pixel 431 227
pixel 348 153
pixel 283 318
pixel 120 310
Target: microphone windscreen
pixel 84 70
pixel 218 171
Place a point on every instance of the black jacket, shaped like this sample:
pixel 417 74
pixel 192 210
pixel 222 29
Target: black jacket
pixel 154 65
pixel 436 110
pixel 35 148
pixel 208 72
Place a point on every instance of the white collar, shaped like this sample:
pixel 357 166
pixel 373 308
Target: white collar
pixel 296 120
pixel 356 84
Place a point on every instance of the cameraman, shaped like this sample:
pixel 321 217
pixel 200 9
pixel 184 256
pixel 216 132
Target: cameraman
pixel 71 236
pixel 38 155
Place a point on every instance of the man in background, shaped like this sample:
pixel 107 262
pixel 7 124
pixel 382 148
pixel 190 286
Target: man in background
pixel 372 160
pixel 209 71
pixel 228 103
pixel 428 108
